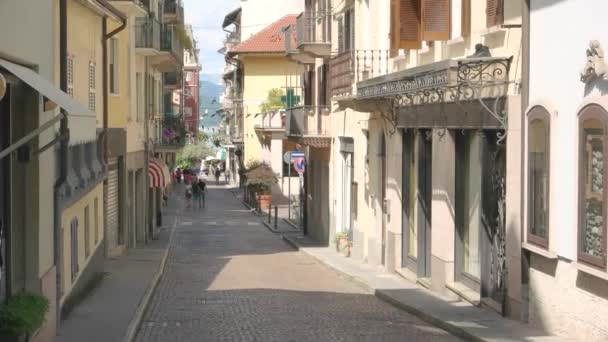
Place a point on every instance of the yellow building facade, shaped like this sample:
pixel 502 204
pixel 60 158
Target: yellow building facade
pixel 263 73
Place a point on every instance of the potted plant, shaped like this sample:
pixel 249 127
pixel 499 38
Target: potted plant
pixel 22 316
pixel 348 249
pixel 260 180
pixel 341 239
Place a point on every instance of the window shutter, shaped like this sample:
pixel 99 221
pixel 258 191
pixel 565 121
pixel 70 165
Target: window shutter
pixel 495 12
pixel 341 35
pixel 394 27
pixel 466 18
pixel 409 24
pixel 435 20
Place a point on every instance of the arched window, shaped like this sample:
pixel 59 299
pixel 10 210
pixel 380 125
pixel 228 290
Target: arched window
pixel 592 182
pixel 538 176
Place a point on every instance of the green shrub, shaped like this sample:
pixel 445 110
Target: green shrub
pixel 23 314
pixel 261 178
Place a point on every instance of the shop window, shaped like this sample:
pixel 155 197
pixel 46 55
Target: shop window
pixel 538 176
pixel 592 178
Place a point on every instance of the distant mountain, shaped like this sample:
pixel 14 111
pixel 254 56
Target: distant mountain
pixel 212 78
pixel 209 101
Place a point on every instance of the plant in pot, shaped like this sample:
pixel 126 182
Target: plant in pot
pixel 341 239
pixel 260 180
pixel 22 316
pixel 348 249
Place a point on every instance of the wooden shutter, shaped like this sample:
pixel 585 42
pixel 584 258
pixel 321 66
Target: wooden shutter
pixel 466 18
pixel 341 35
pixel 495 12
pixel 409 24
pixel 435 20
pixel 394 27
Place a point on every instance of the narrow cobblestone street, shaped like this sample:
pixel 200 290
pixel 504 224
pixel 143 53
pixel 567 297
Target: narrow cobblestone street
pixel 228 278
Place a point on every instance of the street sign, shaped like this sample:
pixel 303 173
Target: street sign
pixel 299 165
pixel 297 154
pixel 287 157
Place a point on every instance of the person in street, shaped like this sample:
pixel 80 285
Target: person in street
pixel 178 175
pixel 227 176
pixel 188 196
pixel 217 175
pixel 201 185
pixel 196 193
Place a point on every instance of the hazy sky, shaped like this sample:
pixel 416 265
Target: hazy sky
pixel 206 17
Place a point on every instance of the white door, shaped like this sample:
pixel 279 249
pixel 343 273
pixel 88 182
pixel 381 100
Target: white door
pixel 345 221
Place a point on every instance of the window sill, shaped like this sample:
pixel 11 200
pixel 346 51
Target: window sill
pixel 491 31
pixel 455 41
pixel 539 251
pixel 592 271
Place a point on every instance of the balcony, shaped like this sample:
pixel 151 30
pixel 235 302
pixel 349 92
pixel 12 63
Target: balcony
pixel 314 33
pixel 170 133
pixel 309 125
pixel 294 54
pixel 147 36
pixel 271 122
pixel 171 57
pixel 348 68
pixel 132 7
pixel 171 81
pixel 173 12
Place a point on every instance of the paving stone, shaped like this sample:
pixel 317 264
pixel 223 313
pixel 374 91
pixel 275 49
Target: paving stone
pixel 236 281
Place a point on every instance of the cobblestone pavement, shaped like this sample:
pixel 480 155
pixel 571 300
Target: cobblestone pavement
pixel 228 278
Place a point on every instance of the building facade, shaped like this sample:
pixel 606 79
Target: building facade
pixel 564 190
pixel 191 72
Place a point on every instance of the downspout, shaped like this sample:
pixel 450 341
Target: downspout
pixel 62 154
pixel 525 100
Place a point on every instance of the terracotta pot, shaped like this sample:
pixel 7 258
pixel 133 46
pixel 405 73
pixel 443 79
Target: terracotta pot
pixel 342 242
pixel 265 200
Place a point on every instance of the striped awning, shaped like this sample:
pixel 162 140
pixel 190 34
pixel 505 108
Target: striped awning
pixel 158 172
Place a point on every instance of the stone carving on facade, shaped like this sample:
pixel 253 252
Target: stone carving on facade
pixel 596 66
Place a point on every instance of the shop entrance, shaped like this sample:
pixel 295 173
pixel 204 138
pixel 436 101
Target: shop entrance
pixel 417 195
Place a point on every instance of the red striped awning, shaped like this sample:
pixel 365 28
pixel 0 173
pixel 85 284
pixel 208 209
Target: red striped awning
pixel 158 172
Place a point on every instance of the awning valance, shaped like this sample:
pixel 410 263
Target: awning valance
pixel 82 122
pixel 159 174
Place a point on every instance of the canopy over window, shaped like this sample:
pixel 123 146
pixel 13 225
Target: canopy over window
pixel 82 122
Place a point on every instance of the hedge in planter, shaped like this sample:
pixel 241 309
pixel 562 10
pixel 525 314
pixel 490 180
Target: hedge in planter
pixel 261 178
pixel 23 314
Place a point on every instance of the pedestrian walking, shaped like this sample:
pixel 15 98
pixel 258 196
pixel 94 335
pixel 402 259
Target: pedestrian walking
pixel 178 175
pixel 227 176
pixel 196 193
pixel 188 196
pixel 217 175
pixel 202 186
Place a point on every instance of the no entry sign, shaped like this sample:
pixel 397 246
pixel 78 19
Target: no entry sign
pixel 298 159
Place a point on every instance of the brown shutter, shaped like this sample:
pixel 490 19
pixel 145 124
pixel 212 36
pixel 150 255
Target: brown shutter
pixel 394 27
pixel 466 18
pixel 409 24
pixel 495 12
pixel 435 20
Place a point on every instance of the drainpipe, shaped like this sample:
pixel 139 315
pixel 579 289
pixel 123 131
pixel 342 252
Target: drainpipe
pixel 525 255
pixel 62 153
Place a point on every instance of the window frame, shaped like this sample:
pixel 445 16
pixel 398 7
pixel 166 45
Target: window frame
pixel 541 114
pixel 591 112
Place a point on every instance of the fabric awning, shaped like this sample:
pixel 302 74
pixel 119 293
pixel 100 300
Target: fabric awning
pixel 159 174
pixel 82 122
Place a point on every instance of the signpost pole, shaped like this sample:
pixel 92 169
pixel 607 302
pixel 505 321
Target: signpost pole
pixel 289 192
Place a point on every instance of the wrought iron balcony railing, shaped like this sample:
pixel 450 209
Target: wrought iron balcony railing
pixel 308 121
pixel 349 67
pixel 147 33
pixel 170 131
pixel 170 42
pixel 271 120
pixel 314 28
pixel 171 80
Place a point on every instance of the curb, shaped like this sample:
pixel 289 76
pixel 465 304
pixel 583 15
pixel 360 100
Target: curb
pixel 380 294
pixel 143 305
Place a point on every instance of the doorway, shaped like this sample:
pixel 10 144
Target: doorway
pixel 416 204
pixel 382 198
pixel 345 218
pixel 480 199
